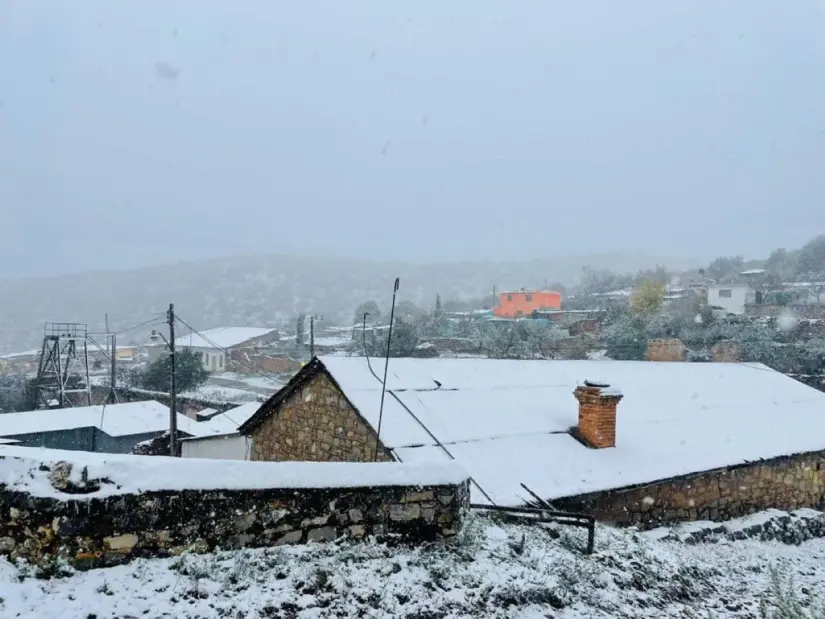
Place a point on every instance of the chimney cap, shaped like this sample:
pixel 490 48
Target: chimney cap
pixel 604 389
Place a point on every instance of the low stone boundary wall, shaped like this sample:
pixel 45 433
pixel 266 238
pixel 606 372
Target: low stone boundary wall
pixel 786 483
pixel 92 531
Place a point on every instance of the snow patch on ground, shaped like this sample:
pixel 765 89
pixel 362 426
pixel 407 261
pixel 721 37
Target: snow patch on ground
pixel 495 571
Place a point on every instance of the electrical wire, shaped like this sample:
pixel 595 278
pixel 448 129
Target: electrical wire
pixel 366 354
pixel 226 352
pixel 155 319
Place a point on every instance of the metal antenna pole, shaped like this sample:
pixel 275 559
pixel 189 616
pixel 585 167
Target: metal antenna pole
pixel 312 336
pixel 113 379
pixel 173 419
pixel 386 369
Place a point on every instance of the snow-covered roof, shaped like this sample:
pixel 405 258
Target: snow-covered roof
pixel 114 419
pixel 222 337
pixel 508 422
pixel 729 286
pixel 14 355
pixel 227 422
pixel 614 293
pixel 331 340
pixel 125 474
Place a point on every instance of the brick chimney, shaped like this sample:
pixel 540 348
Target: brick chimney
pixel 597 413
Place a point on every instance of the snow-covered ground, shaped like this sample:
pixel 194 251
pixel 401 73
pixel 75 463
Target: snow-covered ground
pixel 491 571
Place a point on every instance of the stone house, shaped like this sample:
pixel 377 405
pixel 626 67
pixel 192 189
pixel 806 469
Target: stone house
pixel 679 441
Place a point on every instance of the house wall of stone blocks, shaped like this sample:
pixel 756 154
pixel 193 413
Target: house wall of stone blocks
pixel 316 423
pixel 787 483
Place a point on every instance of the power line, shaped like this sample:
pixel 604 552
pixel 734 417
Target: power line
pixel 226 351
pixel 155 319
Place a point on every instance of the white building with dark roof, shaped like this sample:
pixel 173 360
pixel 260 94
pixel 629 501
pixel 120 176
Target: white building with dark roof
pixel 528 429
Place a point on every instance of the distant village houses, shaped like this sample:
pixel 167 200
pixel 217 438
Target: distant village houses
pixel 213 344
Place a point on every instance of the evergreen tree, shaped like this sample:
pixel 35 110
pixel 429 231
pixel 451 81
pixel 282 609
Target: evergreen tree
pixel 404 340
pixel 368 307
pixel 189 372
pixel 811 260
pixel 726 268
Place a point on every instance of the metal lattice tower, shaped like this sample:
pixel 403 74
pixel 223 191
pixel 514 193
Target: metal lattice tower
pixel 105 345
pixel 63 374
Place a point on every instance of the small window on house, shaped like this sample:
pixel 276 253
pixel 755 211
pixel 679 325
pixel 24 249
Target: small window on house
pixel 725 293
pixel 528 297
pixel 509 297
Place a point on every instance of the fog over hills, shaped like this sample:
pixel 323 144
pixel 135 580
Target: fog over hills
pixel 260 290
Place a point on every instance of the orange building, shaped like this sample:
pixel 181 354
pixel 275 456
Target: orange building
pixel 523 302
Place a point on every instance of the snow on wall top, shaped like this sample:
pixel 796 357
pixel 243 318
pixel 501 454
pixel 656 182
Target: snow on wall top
pixel 114 419
pixel 507 421
pixel 20 470
pixel 223 337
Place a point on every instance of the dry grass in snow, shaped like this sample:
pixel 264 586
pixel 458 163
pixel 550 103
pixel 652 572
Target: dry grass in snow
pixel 492 571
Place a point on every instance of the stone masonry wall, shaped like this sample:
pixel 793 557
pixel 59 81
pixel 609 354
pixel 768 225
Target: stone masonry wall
pixel 316 423
pixel 94 532
pixel 726 351
pixel 666 350
pixel 783 483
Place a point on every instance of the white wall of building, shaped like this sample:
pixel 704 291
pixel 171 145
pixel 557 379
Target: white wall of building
pixel 227 447
pixel 732 297
pixel 213 360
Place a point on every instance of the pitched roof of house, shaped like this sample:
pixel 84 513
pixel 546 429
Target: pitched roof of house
pixel 302 377
pixel 124 419
pixel 508 421
pixel 229 421
pixel 222 337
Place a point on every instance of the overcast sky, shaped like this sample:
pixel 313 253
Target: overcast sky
pixel 143 132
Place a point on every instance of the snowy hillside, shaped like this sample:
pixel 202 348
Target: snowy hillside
pixel 260 290
pixel 493 571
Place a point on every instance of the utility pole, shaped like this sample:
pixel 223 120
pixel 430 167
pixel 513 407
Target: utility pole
pixel 173 419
